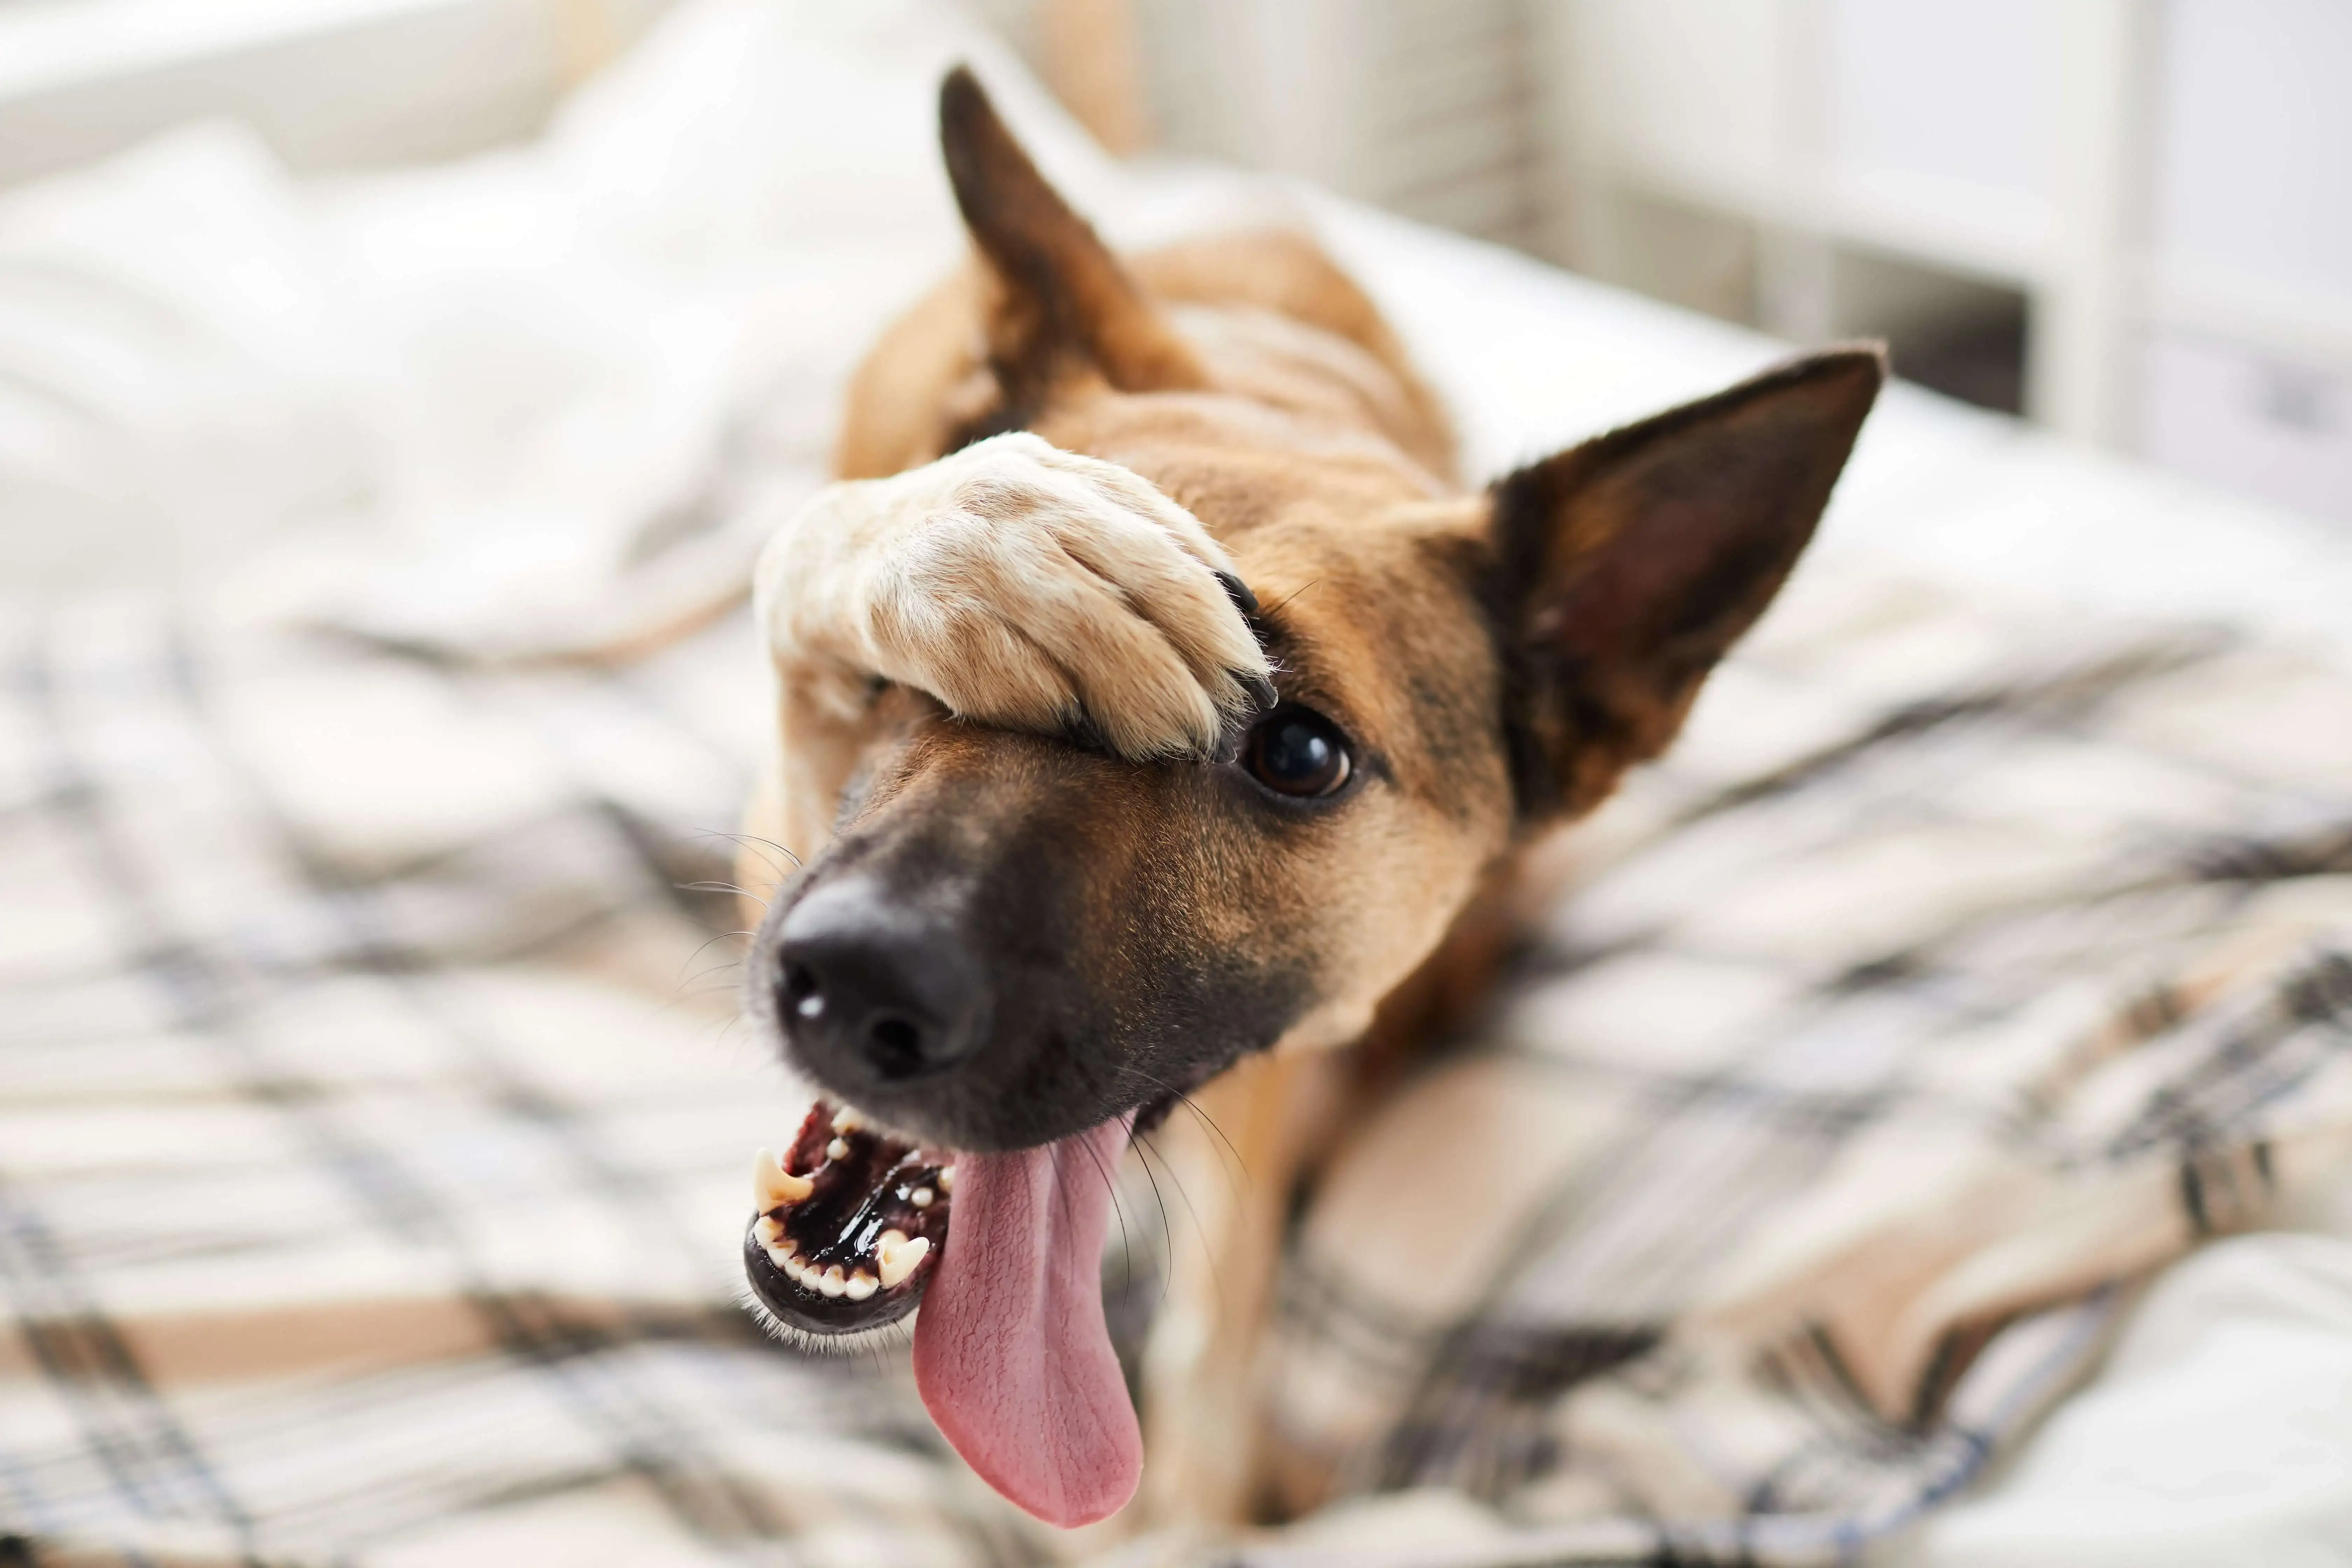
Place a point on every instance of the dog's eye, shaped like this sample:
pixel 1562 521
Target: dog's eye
pixel 1296 751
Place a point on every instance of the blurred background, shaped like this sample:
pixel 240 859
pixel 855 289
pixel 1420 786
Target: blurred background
pixel 2128 220
pixel 394 395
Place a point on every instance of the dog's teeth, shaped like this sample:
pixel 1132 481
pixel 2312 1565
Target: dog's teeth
pixel 947 1179
pixel 832 1281
pixel 773 1186
pixel 921 1197
pixel 836 1150
pixel 897 1257
pixel 861 1285
pixel 768 1230
pixel 782 1257
pixel 848 1120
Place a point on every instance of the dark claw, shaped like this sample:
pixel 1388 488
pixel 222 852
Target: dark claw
pixel 1083 732
pixel 1238 591
pixel 1229 746
pixel 1260 688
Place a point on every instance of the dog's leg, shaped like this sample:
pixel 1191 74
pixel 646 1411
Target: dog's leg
pixel 1233 1152
pixel 1018 585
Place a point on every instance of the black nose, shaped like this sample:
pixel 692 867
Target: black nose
pixel 865 977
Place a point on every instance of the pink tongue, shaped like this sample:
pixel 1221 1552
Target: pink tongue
pixel 1011 1353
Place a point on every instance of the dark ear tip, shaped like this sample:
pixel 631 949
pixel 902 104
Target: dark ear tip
pixel 964 108
pixel 1864 360
pixel 961 92
pixel 1840 383
pixel 973 142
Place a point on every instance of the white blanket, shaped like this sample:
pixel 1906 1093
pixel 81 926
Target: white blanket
pixel 548 399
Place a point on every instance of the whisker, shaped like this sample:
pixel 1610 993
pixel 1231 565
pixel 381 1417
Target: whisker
pixel 1126 1246
pixel 1217 1278
pixel 706 974
pixel 721 888
pixel 704 947
pixel 1275 608
pixel 1190 1104
pixel 747 838
pixel 720 989
pixel 1167 1227
pixel 1210 1121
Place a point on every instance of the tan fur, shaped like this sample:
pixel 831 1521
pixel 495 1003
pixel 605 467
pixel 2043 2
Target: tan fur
pixel 1238 404
pixel 1313 445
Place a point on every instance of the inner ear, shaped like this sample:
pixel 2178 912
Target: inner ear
pixel 1059 303
pixel 1623 569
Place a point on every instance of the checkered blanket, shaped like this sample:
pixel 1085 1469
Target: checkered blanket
pixel 1961 966
pixel 371 1123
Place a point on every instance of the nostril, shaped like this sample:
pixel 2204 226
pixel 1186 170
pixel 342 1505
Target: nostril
pixel 801 994
pixel 868 987
pixel 897 1046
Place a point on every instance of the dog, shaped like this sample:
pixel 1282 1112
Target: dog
pixel 1157 721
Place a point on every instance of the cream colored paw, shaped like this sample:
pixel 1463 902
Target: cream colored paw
pixel 1023 586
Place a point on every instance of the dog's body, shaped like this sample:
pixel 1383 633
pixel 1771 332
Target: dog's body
pixel 1089 825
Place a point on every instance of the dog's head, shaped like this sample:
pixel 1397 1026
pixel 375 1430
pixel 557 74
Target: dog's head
pixel 1007 940
pixel 1043 935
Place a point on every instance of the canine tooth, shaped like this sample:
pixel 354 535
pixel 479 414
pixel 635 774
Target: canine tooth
pixel 921 1197
pixel 947 1179
pixel 848 1120
pixel 836 1150
pixel 897 1257
pixel 773 1186
pixel 861 1285
pixel 832 1281
pixel 769 1232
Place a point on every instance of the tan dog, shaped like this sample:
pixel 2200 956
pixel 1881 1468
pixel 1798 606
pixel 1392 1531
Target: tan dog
pixel 1088 825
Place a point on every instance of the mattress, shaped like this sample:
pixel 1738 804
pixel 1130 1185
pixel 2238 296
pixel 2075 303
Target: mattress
pixel 548 399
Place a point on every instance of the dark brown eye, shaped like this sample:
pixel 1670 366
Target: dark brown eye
pixel 1296 751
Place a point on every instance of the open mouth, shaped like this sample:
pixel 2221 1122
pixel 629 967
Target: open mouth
pixel 1012 1355
pixel 849 1224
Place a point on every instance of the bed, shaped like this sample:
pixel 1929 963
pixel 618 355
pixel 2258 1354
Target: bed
pixel 373 1117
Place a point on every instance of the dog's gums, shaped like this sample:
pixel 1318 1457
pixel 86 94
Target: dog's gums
pixel 847 1224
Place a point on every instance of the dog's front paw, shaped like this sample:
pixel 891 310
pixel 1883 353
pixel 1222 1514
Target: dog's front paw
pixel 1023 586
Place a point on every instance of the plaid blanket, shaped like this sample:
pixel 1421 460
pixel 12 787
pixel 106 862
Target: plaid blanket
pixel 371 1123
pixel 1962 966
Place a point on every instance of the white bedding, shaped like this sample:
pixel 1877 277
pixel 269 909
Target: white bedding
pixel 521 374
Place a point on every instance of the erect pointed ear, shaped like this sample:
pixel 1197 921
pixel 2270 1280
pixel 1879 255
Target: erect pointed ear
pixel 1624 568
pixel 1060 302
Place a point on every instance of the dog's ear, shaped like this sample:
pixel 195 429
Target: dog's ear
pixel 1624 568
pixel 1061 303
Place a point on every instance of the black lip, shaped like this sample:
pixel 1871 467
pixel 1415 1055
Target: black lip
pixel 815 1313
